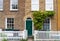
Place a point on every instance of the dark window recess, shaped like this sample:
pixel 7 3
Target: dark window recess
pixel 14 6
pixel 46 25
pixel 10 23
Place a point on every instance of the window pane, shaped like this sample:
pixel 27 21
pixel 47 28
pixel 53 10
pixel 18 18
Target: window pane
pixel 35 7
pixel 14 4
pixel 8 26
pixel 46 25
pixel 1 4
pixel 14 1
pixel 49 5
pixel 49 1
pixel 11 18
pixel 10 23
pixel 34 1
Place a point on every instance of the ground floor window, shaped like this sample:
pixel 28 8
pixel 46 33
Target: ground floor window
pixel 46 24
pixel 10 23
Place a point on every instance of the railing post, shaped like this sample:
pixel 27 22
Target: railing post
pixel 25 34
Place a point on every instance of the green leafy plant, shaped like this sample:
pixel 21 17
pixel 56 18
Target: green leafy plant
pixel 4 39
pixel 23 40
pixel 40 16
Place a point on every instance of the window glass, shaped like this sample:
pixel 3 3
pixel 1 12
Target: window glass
pixel 10 23
pixel 1 4
pixel 46 25
pixel 34 5
pixel 49 5
pixel 14 4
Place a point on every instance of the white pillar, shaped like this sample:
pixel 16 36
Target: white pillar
pixel 25 34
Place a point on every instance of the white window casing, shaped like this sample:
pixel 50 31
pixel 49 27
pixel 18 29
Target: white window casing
pixel 49 5
pixel 14 5
pixel 34 5
pixel 1 5
pixel 9 23
pixel 47 24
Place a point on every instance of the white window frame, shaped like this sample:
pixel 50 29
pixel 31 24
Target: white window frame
pixel 50 24
pixel 11 6
pixel 34 4
pixel 2 6
pixel 6 23
pixel 51 8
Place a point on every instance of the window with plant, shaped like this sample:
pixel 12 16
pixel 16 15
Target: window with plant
pixel 40 16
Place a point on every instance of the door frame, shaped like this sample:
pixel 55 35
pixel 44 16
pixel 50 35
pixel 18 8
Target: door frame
pixel 32 26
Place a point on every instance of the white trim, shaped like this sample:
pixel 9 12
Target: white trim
pixel 50 23
pixel 11 6
pixel 32 28
pixel 50 8
pixel 5 23
pixel 25 25
pixel 1 9
pixel 13 9
pixel 35 4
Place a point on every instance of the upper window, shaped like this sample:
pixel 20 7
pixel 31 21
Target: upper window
pixel 34 5
pixel 1 4
pixel 49 5
pixel 10 23
pixel 13 4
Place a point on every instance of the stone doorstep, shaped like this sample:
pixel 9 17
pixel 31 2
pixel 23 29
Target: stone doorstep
pixel 30 39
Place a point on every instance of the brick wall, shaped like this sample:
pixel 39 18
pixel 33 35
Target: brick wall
pixel 17 15
pixel 24 11
pixel 28 12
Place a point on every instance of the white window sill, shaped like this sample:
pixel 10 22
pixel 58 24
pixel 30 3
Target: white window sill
pixel 13 9
pixel 34 10
pixel 1 9
pixel 49 10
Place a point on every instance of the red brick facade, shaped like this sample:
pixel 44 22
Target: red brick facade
pixel 24 11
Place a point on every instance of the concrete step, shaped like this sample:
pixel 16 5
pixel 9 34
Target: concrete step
pixel 30 39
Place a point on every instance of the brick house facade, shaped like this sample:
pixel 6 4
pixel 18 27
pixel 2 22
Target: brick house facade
pixel 24 12
pixel 54 20
pixel 17 15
